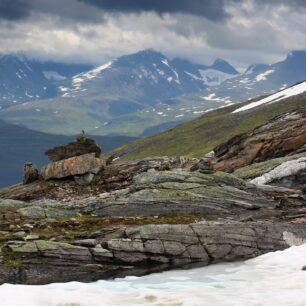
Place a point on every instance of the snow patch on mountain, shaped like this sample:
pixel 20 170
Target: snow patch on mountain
pixel 263 76
pixel 283 94
pixel 212 77
pixel 53 75
pixel 83 77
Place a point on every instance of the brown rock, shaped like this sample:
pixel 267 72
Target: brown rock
pixel 283 135
pixel 81 146
pixel 30 173
pixel 73 166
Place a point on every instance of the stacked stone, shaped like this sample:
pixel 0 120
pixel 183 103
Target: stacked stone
pixel 206 164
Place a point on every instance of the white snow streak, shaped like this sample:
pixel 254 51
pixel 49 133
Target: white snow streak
pixel 286 93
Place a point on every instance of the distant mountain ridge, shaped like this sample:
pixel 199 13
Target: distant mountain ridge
pixel 121 96
pixel 145 92
pixel 149 75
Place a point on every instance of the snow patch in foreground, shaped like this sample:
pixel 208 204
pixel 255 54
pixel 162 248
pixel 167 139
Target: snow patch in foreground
pixel 288 168
pixel 284 94
pixel 272 279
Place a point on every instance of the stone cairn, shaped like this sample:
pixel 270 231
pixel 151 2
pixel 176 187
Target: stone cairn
pixel 206 164
pixel 82 145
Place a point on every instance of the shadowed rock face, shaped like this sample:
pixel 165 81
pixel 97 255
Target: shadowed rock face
pixel 81 146
pixel 30 173
pixel 285 134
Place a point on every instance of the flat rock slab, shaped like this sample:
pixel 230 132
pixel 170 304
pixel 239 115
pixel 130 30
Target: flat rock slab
pixel 78 165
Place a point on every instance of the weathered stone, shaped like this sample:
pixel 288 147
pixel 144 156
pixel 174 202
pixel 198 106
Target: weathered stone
pixel 100 253
pixel 19 235
pixel 63 250
pixel 174 248
pixel 85 179
pixel 30 173
pixel 154 246
pixel 73 166
pixel 283 135
pixel 126 245
pixel 197 251
pixel 35 212
pixel 130 257
pixel 27 247
pixel 85 242
pixel 81 146
pixel 31 237
pixel 8 204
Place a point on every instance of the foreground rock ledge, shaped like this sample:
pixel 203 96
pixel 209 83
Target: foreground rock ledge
pixel 142 217
pixel 141 250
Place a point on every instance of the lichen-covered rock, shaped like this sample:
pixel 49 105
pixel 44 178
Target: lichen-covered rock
pixel 73 166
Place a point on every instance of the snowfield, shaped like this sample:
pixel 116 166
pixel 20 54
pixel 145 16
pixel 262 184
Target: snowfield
pixel 272 279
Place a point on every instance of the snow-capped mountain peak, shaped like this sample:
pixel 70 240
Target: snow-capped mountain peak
pixel 151 74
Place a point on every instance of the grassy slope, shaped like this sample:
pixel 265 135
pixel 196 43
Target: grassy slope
pixel 199 136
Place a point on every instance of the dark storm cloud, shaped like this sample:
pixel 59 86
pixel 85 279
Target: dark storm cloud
pixel 14 9
pixel 210 9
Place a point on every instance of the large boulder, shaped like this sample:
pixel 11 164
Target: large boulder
pixel 81 146
pixel 73 166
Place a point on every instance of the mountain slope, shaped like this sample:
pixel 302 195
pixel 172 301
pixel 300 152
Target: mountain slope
pixel 199 136
pixel 23 80
pixel 20 145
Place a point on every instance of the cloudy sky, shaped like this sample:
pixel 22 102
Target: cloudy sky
pixel 241 31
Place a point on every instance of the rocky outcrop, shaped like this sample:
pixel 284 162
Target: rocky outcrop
pixel 139 250
pixel 283 135
pixel 74 166
pixel 81 146
pixel 139 217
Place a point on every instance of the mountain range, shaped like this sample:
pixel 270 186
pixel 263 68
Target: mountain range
pixel 135 95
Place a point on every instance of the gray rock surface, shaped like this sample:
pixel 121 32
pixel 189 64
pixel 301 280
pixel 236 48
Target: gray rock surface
pixel 139 250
